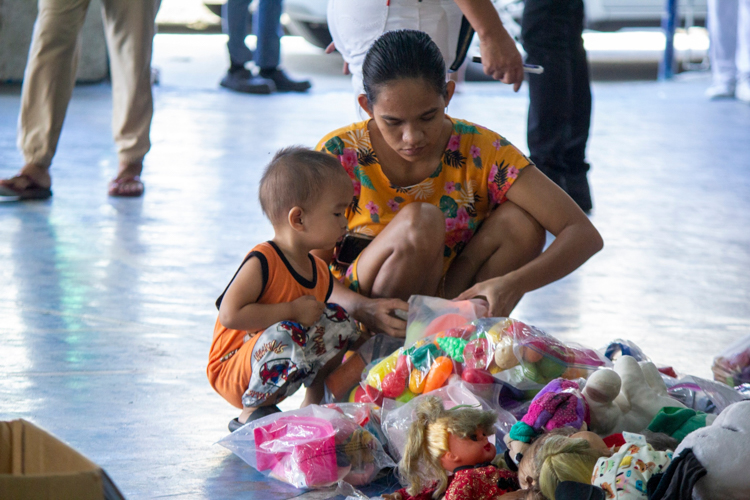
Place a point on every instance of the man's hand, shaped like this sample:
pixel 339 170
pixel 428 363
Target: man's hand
pixel 501 59
pixel 329 50
pixel 306 310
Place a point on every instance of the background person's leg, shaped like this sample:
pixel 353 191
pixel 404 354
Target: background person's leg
pixel 722 32
pixel 507 239
pixel 48 85
pixel 743 52
pixel 129 28
pixel 576 181
pixel 545 27
pixel 267 27
pixel 406 258
pixel 234 15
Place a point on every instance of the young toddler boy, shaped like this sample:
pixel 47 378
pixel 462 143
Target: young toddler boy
pixel 274 331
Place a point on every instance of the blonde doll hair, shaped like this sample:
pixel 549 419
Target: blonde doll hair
pixel 427 441
pixel 560 458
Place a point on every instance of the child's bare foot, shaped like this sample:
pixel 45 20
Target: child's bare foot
pixel 128 181
pixel 31 182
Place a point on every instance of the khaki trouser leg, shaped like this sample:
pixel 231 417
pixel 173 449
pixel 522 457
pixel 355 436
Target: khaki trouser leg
pixel 49 77
pixel 129 28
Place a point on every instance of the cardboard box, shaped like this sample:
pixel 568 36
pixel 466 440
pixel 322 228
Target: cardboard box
pixel 36 465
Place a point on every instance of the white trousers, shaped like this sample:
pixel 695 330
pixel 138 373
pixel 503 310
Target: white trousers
pixel 729 32
pixel 51 69
pixel 356 24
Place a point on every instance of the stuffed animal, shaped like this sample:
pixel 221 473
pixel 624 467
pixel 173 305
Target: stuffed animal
pixel 711 462
pixel 629 405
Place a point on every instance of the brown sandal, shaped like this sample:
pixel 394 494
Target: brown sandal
pixel 130 187
pixel 32 191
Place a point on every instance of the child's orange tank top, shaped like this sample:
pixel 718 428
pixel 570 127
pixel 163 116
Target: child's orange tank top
pixel 281 283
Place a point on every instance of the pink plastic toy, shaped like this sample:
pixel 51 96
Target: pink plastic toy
pixel 307 457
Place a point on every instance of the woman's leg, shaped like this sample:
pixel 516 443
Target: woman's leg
pixel 406 258
pixel 508 239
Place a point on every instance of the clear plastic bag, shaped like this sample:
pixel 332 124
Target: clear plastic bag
pixel 311 447
pixel 621 347
pixel 430 315
pixel 485 351
pixel 397 421
pixel 703 395
pixel 732 366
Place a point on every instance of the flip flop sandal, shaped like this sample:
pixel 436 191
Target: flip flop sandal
pixel 261 412
pixel 127 187
pixel 33 191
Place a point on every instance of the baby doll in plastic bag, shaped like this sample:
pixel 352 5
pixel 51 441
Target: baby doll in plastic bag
pixel 448 452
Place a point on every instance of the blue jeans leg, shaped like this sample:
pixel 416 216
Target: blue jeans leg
pixel 234 23
pixel 267 27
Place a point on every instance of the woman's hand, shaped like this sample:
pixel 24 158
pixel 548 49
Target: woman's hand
pixel 501 293
pixel 378 315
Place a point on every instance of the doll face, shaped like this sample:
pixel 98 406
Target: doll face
pixel 471 450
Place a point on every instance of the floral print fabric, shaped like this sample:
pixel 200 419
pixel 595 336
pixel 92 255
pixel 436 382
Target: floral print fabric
pixel 477 169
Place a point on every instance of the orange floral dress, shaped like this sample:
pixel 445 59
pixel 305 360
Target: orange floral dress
pixel 477 168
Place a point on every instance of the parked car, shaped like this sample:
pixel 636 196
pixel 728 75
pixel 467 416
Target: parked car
pixel 307 18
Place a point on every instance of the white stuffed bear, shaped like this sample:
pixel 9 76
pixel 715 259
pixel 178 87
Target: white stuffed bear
pixel 626 398
pixel 711 463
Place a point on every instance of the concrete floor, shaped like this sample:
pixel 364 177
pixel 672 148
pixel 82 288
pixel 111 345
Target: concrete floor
pixel 106 305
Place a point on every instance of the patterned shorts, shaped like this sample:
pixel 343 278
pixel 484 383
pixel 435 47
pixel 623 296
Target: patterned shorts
pixel 287 355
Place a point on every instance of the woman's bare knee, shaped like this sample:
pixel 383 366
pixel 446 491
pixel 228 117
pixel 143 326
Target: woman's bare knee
pixel 519 240
pixel 421 229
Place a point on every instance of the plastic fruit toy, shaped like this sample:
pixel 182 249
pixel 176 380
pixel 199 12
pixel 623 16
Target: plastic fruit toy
pixel 439 372
pixel 477 376
pixel 393 385
pixel 444 322
pixel 406 396
pixel 453 346
pixel 504 357
pixel 477 353
pixel 417 380
pixel 379 371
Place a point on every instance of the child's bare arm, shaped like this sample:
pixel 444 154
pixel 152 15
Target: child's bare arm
pixel 240 311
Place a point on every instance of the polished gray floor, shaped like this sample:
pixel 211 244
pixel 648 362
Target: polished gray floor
pixel 106 305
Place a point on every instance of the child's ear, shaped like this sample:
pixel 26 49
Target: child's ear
pixel 296 218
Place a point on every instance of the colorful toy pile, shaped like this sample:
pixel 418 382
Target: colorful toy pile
pixel 480 352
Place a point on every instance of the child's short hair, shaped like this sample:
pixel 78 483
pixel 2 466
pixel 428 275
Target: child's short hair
pixel 295 177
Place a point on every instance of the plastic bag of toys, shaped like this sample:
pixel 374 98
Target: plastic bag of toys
pixel 732 366
pixel 430 315
pixel 485 351
pixel 397 421
pixel 311 447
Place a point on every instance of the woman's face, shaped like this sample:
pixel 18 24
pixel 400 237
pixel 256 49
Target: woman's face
pixel 410 115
